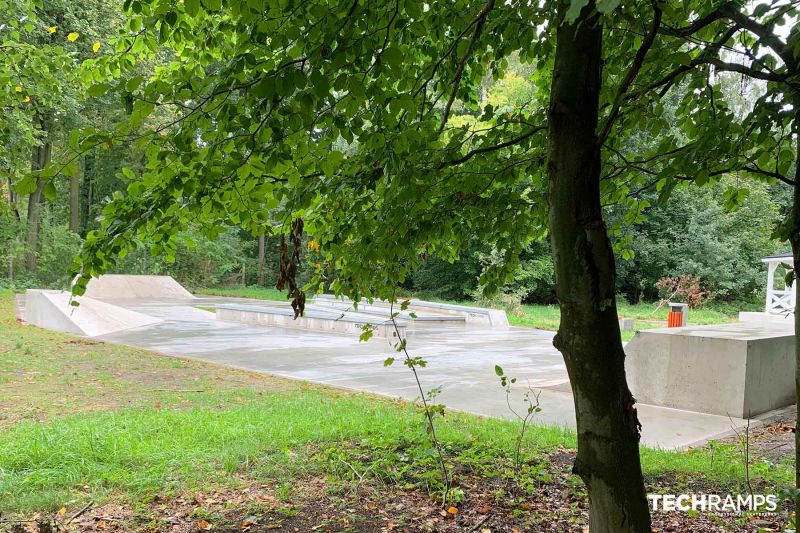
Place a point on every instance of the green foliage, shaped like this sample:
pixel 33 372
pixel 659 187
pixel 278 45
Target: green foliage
pixel 694 234
pixel 197 260
pixel 59 247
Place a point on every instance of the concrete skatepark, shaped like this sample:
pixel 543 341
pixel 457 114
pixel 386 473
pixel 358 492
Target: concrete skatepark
pixel 461 353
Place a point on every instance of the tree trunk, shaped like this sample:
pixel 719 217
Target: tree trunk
pixel 261 252
pixel 41 157
pixel 794 240
pixel 85 201
pixel 33 228
pixel 74 206
pixel 589 337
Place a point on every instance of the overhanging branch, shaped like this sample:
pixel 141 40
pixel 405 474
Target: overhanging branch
pixel 487 149
pixel 636 66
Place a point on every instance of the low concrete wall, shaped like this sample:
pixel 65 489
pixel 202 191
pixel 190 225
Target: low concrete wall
pixel 739 370
pixel 753 316
pixel 314 319
pixel 52 310
pixel 479 316
pixel 385 311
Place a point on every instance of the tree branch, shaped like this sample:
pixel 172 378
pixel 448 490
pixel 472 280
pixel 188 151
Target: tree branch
pixel 486 149
pixel 777 175
pixel 462 64
pixel 730 11
pixel 636 66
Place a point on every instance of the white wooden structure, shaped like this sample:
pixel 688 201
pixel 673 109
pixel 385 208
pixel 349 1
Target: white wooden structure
pixel 779 301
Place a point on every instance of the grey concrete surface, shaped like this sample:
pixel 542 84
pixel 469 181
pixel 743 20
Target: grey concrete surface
pixel 741 369
pixel 460 359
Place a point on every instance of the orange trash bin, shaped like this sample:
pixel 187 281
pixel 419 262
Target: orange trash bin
pixel 677 315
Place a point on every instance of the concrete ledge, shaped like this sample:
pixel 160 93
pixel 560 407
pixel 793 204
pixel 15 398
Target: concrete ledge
pixel 385 311
pixel 92 318
pixel 752 316
pixel 480 316
pixel 739 370
pixel 314 319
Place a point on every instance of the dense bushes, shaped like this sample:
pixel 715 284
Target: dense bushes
pixel 693 234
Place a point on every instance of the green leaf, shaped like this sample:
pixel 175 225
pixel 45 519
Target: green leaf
pixel 49 191
pixel 575 8
pixel 392 57
pixel 192 6
pixel 607 6
pixel 498 370
pixel 98 90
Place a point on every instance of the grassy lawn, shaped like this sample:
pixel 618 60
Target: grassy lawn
pixel 261 293
pixel 148 437
pixel 548 316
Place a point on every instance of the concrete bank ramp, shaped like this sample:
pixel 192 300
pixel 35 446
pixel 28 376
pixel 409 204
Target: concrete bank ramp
pixel 92 318
pixel 122 286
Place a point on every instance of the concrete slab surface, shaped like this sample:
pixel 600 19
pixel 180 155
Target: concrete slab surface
pixel 734 330
pixel 460 360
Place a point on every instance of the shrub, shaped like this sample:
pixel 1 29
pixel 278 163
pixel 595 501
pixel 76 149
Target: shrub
pixel 686 289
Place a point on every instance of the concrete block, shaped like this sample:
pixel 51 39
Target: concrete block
pixel 626 324
pixel 739 370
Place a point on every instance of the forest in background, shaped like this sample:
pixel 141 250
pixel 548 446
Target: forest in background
pixel 699 232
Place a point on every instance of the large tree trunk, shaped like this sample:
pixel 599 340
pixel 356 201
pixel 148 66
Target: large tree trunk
pixel 261 253
pixel 589 336
pixel 794 240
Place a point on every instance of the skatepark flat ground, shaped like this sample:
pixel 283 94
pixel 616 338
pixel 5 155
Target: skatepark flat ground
pixel 461 361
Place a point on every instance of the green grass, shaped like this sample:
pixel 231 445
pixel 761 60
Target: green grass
pixel 91 421
pixel 261 293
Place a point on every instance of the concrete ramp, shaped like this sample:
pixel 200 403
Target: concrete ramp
pixel 122 286
pixel 92 318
